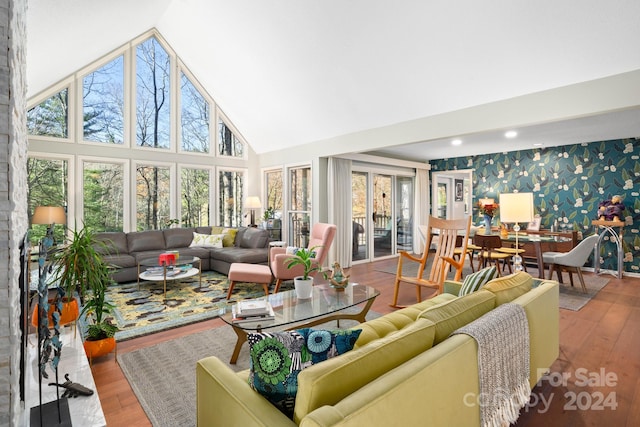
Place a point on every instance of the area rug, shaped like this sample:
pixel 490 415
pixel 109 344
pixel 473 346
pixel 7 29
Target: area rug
pixel 572 298
pixel 163 376
pixel 143 311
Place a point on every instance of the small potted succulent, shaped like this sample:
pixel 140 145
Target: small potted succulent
pixel 306 258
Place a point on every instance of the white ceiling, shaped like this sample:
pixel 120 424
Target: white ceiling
pixel 291 72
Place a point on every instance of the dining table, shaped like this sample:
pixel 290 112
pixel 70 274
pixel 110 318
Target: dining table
pixel 537 241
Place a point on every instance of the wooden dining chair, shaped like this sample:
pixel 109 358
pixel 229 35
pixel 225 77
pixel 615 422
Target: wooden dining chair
pixel 446 234
pixel 488 253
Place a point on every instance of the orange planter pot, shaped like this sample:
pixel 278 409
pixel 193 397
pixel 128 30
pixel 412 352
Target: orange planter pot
pixel 99 348
pixel 70 313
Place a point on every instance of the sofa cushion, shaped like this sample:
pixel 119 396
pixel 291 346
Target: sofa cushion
pixel 278 357
pixel 329 382
pixel 508 288
pixel 456 313
pixel 139 241
pixel 178 237
pixel 230 235
pixel 206 240
pixel 254 238
pixel 112 243
pixel 233 254
pixel 391 322
pixel 476 280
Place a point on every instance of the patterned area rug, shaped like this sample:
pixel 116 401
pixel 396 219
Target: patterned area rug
pixel 142 311
pixel 168 395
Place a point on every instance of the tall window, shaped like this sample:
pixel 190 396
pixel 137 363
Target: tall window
pixel 152 197
pixel 231 185
pixel 142 96
pixel 50 117
pixel 229 143
pixel 153 100
pixel 273 183
pixel 103 195
pixel 195 196
pixel 194 118
pixel 48 186
pixel 300 207
pixel 103 103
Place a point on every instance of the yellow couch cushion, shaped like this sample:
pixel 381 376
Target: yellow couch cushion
pixel 382 326
pixel 456 313
pixel 508 288
pixel 332 380
pixel 229 235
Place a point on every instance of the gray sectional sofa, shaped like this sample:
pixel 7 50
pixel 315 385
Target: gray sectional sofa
pixel 125 250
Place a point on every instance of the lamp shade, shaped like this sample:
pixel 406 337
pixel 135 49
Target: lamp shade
pixel 253 202
pixel 516 207
pixel 49 215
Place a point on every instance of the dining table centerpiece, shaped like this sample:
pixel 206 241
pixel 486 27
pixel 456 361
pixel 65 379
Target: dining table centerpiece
pixel 488 208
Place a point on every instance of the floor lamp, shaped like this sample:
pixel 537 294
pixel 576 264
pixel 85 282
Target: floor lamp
pixel 56 412
pixel 516 208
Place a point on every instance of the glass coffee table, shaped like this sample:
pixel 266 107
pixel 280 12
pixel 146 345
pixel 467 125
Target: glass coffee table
pixel 326 304
pixel 181 268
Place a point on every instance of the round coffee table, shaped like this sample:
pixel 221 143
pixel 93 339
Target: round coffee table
pixel 161 273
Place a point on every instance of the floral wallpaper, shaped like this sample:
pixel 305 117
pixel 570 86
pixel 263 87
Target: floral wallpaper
pixel 568 183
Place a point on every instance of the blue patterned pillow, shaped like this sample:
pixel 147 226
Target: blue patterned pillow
pixel 277 358
pixel 475 281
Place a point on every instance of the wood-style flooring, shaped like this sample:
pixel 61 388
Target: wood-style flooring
pixel 599 356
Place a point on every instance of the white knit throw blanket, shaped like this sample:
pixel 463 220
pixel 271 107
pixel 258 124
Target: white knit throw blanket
pixel 503 363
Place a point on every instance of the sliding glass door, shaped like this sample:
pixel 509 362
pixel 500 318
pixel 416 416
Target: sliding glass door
pixel 382 214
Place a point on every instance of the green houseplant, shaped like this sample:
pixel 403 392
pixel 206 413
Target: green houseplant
pixel 306 258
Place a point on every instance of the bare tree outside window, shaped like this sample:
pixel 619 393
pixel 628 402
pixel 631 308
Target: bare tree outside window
pixel 229 144
pixel 153 75
pixel 194 118
pixel 103 103
pixel 103 192
pixel 195 197
pixel 231 185
pixel 50 117
pixel 48 186
pixel 152 197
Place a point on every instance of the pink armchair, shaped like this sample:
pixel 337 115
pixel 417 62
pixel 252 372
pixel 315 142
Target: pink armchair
pixel 321 236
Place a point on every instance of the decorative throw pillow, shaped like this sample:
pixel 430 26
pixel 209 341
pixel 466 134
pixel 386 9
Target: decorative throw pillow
pixel 229 235
pixel 291 250
pixel 277 358
pixel 207 240
pixel 476 280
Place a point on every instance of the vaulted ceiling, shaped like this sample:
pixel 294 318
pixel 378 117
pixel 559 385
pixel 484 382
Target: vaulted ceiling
pixel 294 72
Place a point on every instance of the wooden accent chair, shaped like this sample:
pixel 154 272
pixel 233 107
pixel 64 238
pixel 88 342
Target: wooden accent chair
pixel 446 232
pixel 489 254
pixel 321 238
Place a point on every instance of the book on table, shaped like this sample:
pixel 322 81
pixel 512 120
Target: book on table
pixel 253 307
pixel 241 317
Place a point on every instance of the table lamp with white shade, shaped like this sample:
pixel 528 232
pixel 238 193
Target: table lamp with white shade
pixel 516 208
pixel 252 203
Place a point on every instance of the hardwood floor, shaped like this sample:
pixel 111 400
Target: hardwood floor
pixel 599 356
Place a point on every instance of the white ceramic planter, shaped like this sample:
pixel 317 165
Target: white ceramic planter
pixel 304 288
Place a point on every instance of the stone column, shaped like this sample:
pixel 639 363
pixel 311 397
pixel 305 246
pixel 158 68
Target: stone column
pixel 13 199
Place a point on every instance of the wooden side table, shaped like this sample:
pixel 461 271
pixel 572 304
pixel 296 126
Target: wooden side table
pixel 609 227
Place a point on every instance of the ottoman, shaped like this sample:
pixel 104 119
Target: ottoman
pixel 253 273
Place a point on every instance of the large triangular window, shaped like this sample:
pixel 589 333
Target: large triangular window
pixel 50 117
pixel 103 103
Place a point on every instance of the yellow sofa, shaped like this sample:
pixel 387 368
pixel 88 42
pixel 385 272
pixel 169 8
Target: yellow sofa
pixel 404 370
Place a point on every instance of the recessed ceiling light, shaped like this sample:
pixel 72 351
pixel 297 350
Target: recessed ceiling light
pixel 511 134
pixel 538 144
pixel 456 142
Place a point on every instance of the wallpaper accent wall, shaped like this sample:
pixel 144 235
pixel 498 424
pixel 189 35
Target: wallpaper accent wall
pixel 568 183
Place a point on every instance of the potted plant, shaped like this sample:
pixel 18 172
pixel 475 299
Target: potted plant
pixel 99 337
pixel 306 258
pixel 72 268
